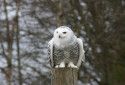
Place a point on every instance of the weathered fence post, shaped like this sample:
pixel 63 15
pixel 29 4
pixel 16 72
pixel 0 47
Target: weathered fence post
pixel 64 76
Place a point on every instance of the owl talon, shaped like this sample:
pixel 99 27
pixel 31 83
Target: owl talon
pixel 57 66
pixel 72 65
pixel 62 65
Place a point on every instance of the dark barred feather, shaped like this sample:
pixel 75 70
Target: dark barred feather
pixel 58 55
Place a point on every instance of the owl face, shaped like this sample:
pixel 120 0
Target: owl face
pixel 62 33
pixel 63 37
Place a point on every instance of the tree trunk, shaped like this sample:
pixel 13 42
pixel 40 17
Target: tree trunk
pixel 18 54
pixel 59 13
pixel 64 76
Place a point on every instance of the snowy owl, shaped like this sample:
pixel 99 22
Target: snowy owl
pixel 65 49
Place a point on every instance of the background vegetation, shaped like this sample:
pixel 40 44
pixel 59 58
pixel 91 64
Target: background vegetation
pixel 27 25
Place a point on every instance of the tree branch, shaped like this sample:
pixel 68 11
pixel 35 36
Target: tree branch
pixel 3 50
pixel 15 18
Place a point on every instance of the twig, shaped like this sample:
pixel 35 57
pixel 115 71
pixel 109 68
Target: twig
pixel 15 18
pixel 3 50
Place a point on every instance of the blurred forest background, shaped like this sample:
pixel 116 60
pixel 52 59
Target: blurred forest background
pixel 26 26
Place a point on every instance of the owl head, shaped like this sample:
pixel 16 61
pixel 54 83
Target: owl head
pixel 63 32
pixel 63 37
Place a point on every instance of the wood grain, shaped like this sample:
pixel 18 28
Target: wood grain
pixel 64 76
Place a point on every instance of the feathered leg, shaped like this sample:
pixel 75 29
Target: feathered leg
pixel 72 65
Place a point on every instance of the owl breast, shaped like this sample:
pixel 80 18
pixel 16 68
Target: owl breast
pixel 69 54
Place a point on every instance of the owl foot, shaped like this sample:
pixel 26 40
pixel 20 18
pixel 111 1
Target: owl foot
pixel 72 65
pixel 62 65
pixel 57 66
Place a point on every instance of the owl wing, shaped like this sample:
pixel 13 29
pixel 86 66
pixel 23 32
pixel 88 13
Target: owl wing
pixel 50 52
pixel 81 52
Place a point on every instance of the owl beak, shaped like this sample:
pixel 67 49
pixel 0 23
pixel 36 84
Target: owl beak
pixel 59 36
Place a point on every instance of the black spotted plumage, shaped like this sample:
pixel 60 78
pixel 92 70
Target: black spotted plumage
pixel 58 55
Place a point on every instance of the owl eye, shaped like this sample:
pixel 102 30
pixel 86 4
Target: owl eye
pixel 64 32
pixel 57 32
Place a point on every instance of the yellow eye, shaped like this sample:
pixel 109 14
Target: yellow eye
pixel 64 32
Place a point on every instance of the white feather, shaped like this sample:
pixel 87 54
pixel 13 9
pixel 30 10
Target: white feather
pixel 81 52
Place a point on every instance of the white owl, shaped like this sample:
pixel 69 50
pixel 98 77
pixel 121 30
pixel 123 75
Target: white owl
pixel 65 49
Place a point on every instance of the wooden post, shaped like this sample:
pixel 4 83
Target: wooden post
pixel 64 76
